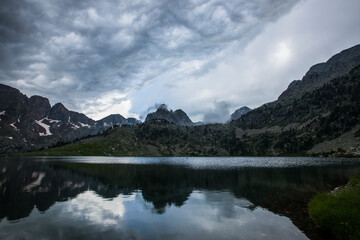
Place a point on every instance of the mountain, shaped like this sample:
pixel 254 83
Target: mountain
pixel 28 124
pixel 239 112
pixel 318 115
pixel 297 101
pixel 31 123
pixel 133 121
pixel 115 119
pixel 322 73
pixel 179 117
pixel 111 120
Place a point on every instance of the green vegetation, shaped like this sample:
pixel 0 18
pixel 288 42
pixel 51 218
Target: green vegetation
pixel 339 212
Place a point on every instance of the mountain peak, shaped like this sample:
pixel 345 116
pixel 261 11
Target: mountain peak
pixel 179 117
pixel 39 106
pixel 239 112
pixel 111 120
pixel 59 112
pixel 163 107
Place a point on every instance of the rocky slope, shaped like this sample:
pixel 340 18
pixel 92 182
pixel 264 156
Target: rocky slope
pixel 32 123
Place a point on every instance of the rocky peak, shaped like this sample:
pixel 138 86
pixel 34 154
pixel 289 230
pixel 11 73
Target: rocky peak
pixel 39 106
pixel 293 83
pixel 5 89
pixel 81 119
pixel 59 112
pixel 179 117
pixel 182 118
pixel 12 101
pixel 239 112
pixel 111 120
pixel 163 107
pixel 132 121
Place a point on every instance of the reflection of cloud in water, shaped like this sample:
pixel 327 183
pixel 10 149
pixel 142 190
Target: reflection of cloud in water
pixel 205 215
pixel 224 203
pixel 215 215
pixel 94 208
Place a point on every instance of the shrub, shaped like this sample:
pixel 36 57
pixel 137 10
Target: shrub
pixel 339 213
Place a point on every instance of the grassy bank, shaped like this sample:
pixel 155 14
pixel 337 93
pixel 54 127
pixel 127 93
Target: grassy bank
pixel 339 212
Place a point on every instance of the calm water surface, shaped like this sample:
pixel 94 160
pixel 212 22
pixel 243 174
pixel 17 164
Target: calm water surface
pixel 163 198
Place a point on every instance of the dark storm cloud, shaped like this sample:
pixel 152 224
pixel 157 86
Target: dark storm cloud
pixel 77 50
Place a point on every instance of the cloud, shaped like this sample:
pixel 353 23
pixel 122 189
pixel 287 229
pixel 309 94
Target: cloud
pixel 75 52
pixel 257 72
pixel 218 114
pixel 189 54
pixel 108 103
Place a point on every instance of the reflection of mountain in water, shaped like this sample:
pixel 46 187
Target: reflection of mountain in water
pixel 26 184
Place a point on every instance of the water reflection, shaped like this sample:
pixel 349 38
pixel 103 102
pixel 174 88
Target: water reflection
pixel 72 200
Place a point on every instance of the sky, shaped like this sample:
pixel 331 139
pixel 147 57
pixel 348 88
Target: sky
pixel 207 57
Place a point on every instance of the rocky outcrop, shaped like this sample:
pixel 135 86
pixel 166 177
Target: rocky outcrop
pixel 179 117
pixel 239 112
pixel 39 106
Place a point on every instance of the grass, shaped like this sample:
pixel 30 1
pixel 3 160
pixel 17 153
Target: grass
pixel 339 213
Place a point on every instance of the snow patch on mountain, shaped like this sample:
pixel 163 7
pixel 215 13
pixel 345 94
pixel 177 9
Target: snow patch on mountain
pixel 84 125
pixel 36 183
pixel 74 126
pixel 13 125
pixel 52 120
pixel 45 126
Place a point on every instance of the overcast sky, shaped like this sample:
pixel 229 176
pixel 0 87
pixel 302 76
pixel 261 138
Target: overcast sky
pixel 205 57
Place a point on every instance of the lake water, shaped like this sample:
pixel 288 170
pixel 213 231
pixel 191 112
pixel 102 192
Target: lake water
pixel 164 198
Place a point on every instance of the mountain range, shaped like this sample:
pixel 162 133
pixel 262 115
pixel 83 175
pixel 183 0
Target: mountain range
pixel 28 124
pixel 317 115
pixel 32 123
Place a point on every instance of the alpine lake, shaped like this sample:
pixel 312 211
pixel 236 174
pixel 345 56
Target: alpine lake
pixel 164 198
